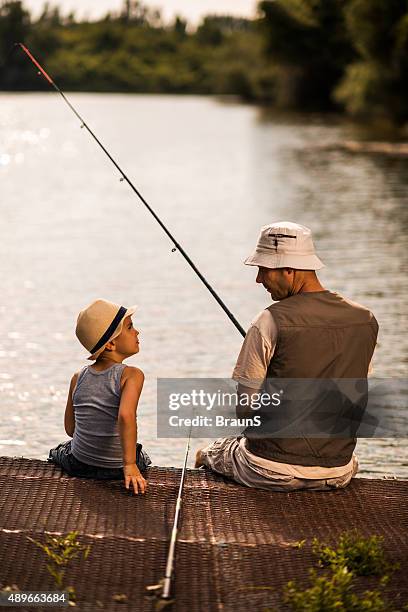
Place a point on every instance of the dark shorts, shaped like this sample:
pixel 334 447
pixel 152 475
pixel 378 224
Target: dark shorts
pixel 61 455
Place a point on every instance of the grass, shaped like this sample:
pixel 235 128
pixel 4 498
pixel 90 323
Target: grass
pixel 354 555
pixel 332 581
pixel 332 593
pixel 363 556
pixel 59 552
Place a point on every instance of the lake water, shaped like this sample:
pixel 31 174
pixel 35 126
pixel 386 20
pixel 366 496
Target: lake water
pixel 215 171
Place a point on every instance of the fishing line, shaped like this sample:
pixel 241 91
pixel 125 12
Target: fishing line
pixel 124 177
pixel 166 583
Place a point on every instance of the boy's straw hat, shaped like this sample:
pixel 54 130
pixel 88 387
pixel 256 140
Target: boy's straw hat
pixel 285 245
pixel 99 323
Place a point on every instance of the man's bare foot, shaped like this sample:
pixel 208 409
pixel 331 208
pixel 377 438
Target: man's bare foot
pixel 199 459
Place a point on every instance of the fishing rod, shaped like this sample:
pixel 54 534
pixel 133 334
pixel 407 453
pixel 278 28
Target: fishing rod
pixel 124 177
pixel 162 590
pixel 165 585
pixel 168 576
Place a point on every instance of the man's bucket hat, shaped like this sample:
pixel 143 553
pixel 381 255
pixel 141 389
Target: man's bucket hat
pixel 285 245
pixel 99 323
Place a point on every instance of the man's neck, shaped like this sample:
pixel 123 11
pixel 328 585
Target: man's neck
pixel 309 288
pixel 310 285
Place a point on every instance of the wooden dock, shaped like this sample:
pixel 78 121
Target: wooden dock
pixel 237 547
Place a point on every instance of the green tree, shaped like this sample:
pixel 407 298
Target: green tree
pixel 308 42
pixel 180 26
pixel 376 84
pixel 15 26
pixel 210 32
pixel 303 54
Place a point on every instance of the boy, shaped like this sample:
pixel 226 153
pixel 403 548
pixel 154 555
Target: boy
pixel 102 401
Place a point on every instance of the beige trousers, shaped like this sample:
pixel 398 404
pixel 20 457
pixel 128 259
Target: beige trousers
pixel 225 456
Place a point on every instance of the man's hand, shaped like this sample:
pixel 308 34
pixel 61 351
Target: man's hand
pixel 132 475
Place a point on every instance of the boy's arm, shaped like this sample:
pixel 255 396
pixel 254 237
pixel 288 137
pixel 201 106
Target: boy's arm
pixel 69 419
pixel 131 389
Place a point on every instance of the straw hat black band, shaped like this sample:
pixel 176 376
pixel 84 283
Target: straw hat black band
pixel 106 336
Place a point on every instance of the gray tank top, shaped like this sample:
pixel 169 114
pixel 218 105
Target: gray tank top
pixel 96 399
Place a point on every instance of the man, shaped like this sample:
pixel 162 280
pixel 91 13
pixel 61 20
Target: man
pixel 308 332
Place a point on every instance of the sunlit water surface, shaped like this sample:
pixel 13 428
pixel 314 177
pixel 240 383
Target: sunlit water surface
pixel 215 172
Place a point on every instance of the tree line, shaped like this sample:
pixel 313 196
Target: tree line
pixel 313 55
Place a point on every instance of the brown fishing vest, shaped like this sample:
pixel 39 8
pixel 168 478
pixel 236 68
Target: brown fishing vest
pixel 320 335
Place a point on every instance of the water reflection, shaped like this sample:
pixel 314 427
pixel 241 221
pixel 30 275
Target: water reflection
pixel 214 173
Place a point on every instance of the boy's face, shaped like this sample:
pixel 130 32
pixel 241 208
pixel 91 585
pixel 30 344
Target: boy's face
pixel 127 343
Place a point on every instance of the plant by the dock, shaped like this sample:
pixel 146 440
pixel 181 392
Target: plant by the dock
pixel 332 593
pixel 60 551
pixel 363 556
pixel 354 555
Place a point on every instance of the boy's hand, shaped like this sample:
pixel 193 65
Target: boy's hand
pixel 132 475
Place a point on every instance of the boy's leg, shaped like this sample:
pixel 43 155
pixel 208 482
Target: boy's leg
pixel 62 456
pixel 59 455
pixel 142 461
pixel 142 458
